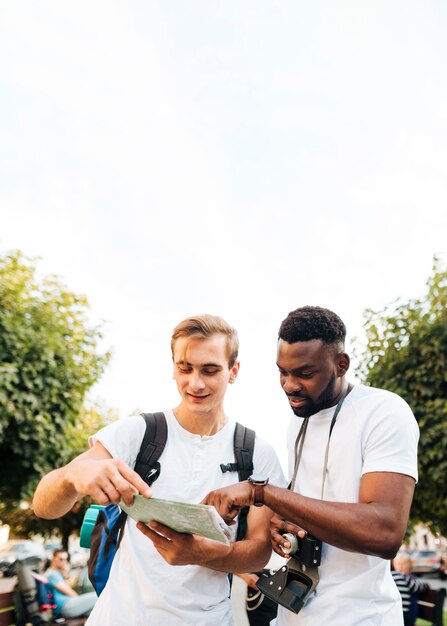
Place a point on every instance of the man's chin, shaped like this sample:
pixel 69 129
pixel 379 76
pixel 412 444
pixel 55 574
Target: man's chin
pixel 300 411
pixel 303 411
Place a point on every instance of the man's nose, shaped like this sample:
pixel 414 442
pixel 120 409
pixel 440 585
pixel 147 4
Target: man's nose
pixel 196 381
pixel 292 385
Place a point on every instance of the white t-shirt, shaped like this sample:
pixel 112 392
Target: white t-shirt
pixel 142 588
pixel 375 432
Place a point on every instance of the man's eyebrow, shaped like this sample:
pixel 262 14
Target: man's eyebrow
pixel 183 362
pixel 297 370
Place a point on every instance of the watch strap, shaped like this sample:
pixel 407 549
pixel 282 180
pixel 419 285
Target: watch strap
pixel 259 494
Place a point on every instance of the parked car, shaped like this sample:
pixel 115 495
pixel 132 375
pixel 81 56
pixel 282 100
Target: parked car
pixel 425 561
pixel 79 557
pixel 28 552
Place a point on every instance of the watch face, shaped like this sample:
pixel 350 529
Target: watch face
pixel 259 478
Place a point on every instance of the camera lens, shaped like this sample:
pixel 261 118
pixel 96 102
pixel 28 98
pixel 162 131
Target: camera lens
pixel 292 539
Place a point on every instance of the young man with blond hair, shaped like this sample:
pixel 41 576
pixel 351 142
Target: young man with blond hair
pixel 144 585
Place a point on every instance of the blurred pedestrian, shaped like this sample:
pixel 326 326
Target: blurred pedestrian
pixel 409 587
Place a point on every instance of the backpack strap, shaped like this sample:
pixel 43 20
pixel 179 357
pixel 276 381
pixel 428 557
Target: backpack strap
pixel 153 444
pixel 146 465
pixel 115 533
pixel 243 445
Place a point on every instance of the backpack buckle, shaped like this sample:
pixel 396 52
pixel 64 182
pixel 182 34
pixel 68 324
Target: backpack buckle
pixel 229 467
pixel 152 474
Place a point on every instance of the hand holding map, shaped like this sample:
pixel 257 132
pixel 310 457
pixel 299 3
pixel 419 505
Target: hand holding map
pixel 193 519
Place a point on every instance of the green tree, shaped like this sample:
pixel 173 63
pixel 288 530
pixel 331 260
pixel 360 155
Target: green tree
pixel 49 359
pixel 19 514
pixel 406 353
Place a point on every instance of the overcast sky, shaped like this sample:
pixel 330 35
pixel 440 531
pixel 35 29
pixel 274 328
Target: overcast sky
pixel 241 158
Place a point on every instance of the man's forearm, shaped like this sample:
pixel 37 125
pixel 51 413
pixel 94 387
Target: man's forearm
pixel 339 524
pixel 365 527
pixel 249 555
pixel 374 524
pixel 55 495
pixel 93 473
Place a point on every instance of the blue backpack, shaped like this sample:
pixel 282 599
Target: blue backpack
pixel 45 594
pixel 103 526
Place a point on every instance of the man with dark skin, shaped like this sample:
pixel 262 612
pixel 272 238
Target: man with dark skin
pixel 352 481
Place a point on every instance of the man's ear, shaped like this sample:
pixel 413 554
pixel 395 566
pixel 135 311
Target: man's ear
pixel 234 371
pixel 343 362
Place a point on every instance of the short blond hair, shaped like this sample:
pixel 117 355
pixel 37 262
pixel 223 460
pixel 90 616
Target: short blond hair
pixel 205 326
pixel 402 560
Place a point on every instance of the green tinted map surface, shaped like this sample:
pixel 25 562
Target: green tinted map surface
pixel 193 519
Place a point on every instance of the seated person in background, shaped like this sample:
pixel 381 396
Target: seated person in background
pixel 68 602
pixel 409 587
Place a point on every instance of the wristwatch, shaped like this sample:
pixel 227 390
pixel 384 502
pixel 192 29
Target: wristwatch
pixel 259 481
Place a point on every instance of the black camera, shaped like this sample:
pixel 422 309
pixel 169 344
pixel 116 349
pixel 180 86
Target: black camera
pixel 307 550
pixel 293 584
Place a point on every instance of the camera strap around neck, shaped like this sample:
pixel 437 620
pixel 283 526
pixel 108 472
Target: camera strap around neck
pixel 299 443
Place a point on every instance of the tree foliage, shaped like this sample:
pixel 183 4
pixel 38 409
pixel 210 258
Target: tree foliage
pixel 19 514
pixel 49 359
pixel 407 353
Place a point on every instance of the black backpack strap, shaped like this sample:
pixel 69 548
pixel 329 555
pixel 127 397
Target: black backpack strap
pixel 153 444
pixel 146 465
pixel 244 445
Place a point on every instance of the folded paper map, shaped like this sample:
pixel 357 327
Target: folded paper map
pixel 193 519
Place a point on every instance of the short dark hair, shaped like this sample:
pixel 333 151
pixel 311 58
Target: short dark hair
pixel 312 322
pixel 60 551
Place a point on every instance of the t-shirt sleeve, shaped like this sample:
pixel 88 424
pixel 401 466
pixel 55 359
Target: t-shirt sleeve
pixel 54 578
pixel 391 438
pixel 266 462
pixel 122 439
